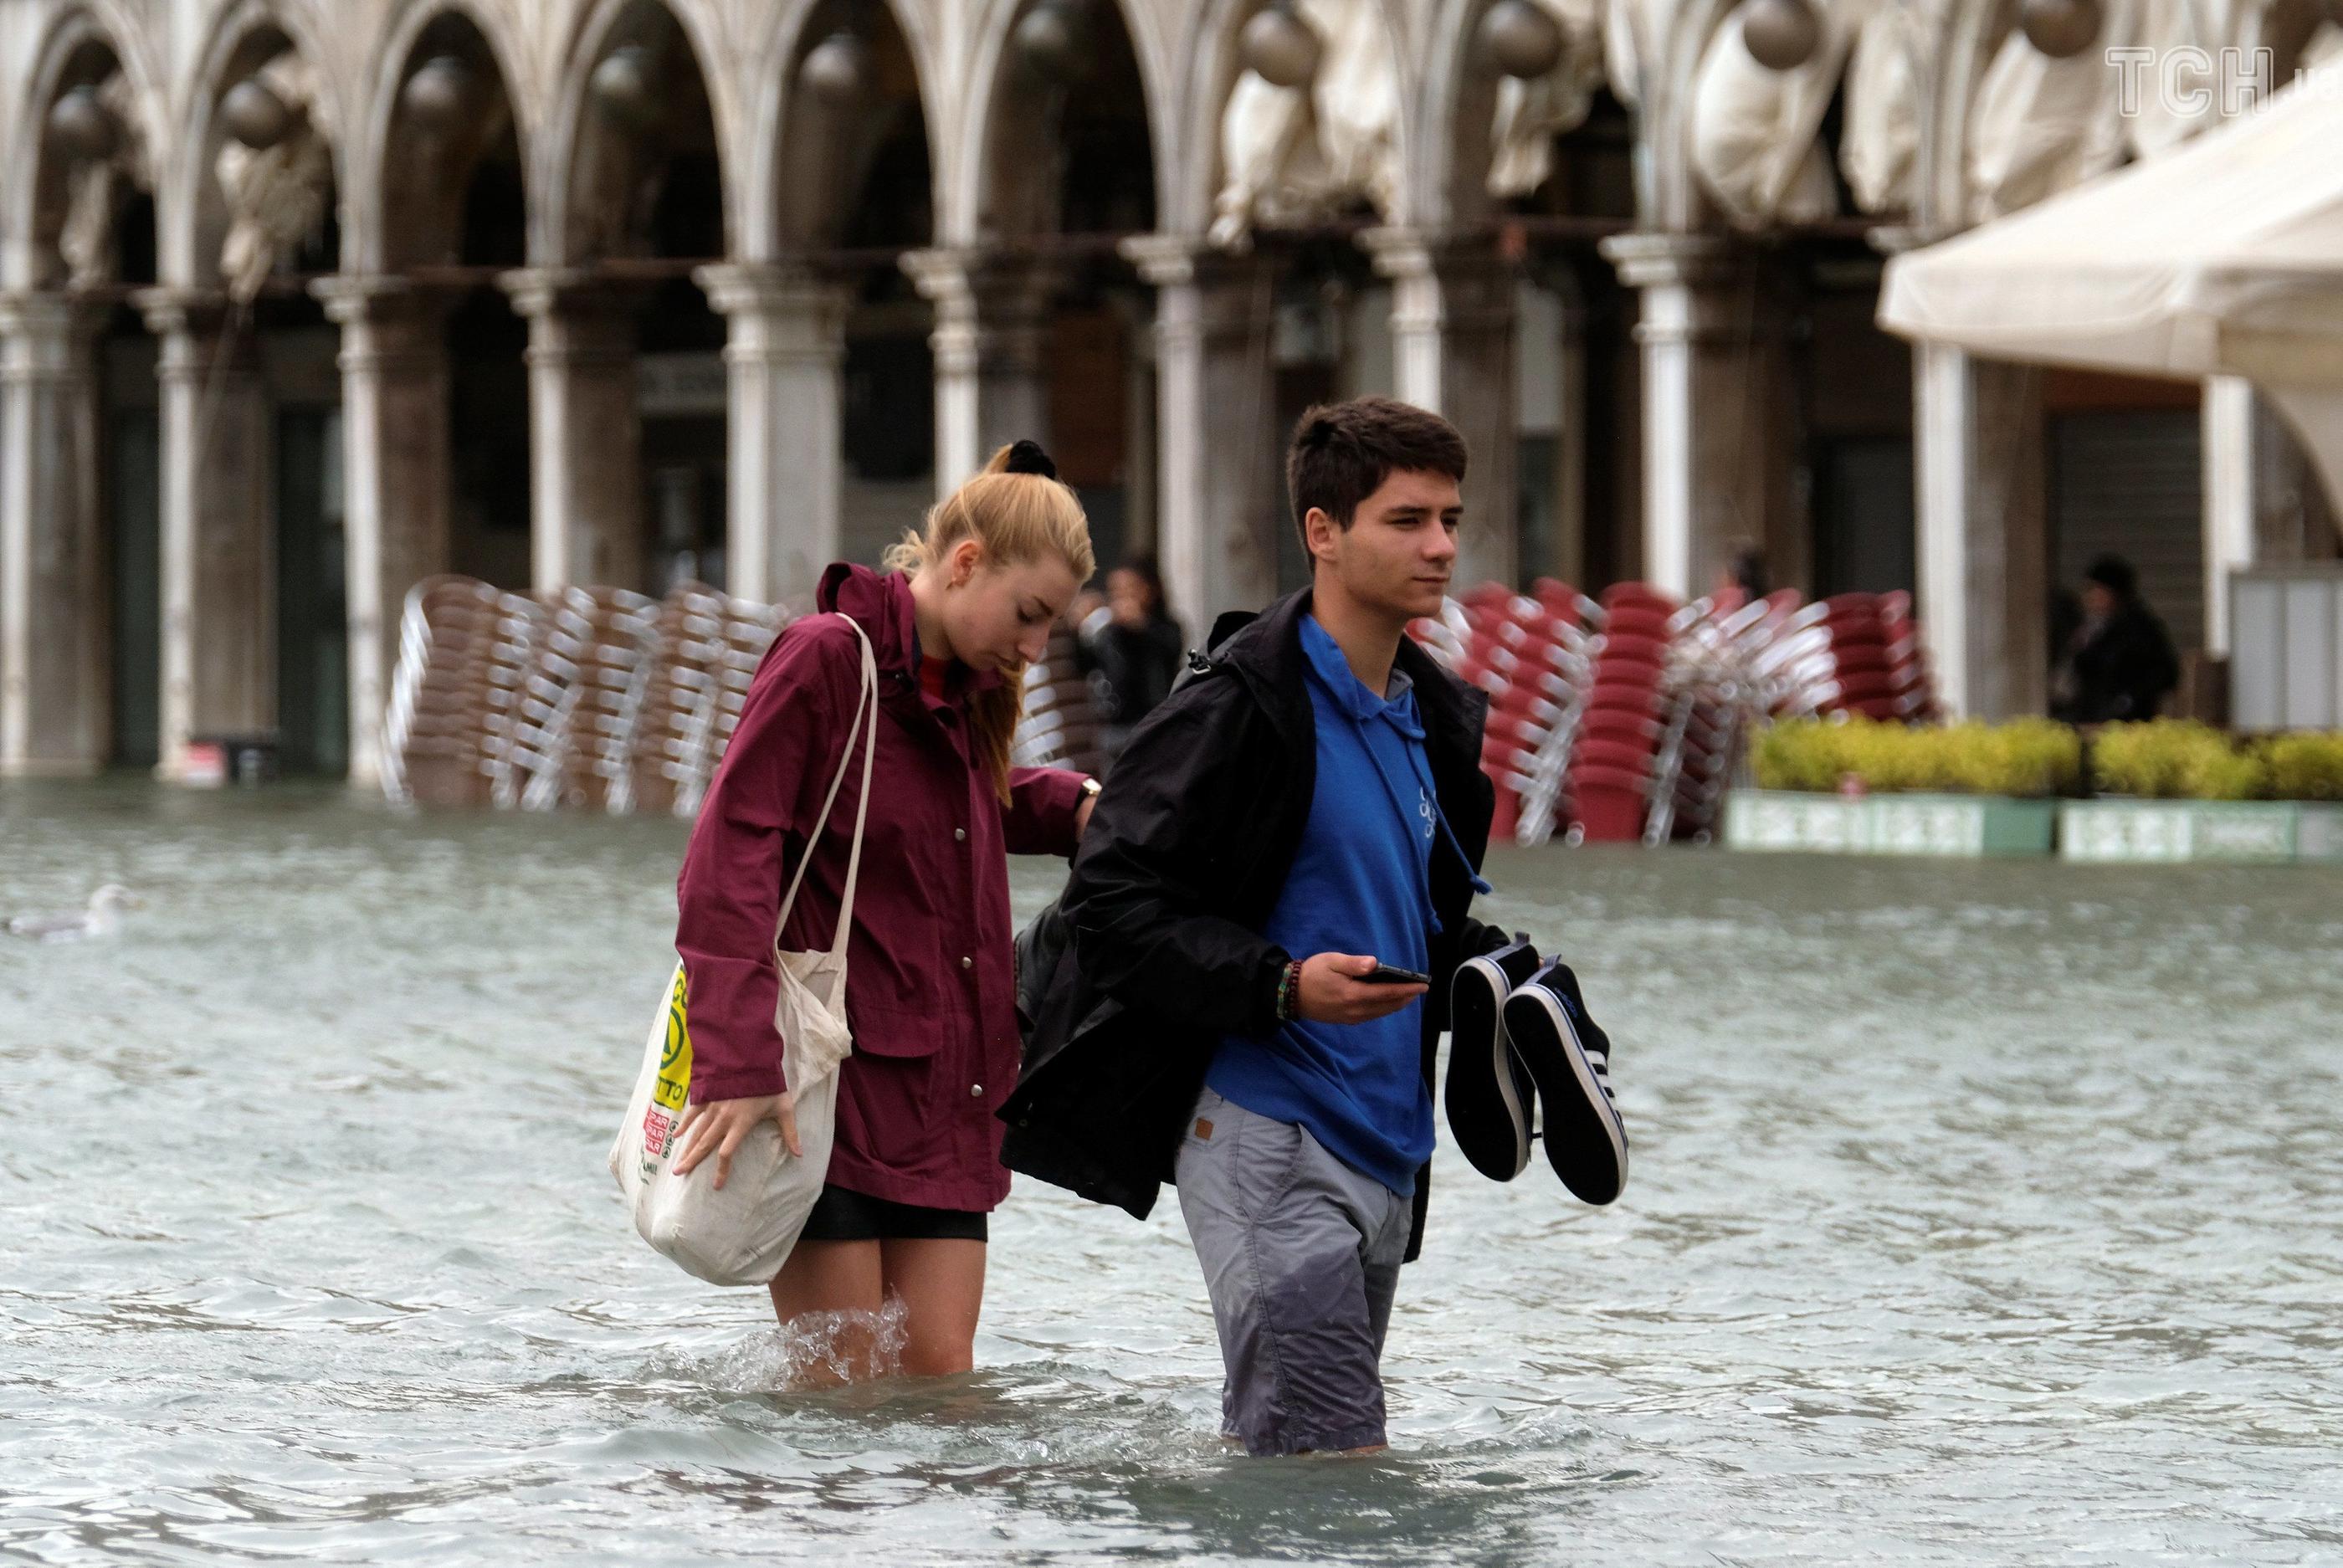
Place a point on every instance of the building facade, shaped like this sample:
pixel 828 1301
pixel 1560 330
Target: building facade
pixel 302 301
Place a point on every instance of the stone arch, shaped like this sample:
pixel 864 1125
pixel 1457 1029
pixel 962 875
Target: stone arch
pixel 2281 26
pixel 568 151
pixel 780 221
pixel 1674 200
pixel 1454 108
pixel 75 39
pixel 967 186
pixel 367 241
pixel 1185 204
pixel 191 210
pixel 1454 105
pixel 1965 45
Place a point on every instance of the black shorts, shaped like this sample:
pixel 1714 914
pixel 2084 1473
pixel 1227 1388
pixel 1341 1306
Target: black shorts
pixel 839 1215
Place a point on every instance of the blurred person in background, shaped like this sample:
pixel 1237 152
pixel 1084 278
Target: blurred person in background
pixel 2119 662
pixel 1742 580
pixel 1130 648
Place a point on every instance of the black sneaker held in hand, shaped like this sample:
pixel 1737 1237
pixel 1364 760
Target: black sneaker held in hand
pixel 1569 1057
pixel 1488 1089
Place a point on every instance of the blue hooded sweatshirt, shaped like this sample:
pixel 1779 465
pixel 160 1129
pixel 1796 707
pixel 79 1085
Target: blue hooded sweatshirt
pixel 1361 883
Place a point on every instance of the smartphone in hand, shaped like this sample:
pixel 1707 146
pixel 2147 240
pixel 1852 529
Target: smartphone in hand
pixel 1384 974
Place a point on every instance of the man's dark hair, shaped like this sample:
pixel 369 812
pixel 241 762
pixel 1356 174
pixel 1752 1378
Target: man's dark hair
pixel 1144 568
pixel 2116 575
pixel 1343 452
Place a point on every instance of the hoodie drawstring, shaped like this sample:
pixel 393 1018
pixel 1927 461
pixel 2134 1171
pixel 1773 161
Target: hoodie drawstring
pixel 1430 794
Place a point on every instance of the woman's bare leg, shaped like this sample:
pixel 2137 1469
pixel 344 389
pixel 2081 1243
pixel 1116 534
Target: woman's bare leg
pixel 942 1286
pixel 824 1276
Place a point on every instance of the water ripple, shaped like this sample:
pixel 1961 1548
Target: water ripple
pixel 1982 1214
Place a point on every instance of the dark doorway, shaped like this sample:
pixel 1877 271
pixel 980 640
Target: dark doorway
pixel 134 521
pixel 1863 519
pixel 312 688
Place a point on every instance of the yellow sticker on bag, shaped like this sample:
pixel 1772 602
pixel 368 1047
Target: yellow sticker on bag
pixel 675 1058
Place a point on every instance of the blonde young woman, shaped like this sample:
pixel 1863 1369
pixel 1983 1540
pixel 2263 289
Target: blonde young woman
pixel 963 608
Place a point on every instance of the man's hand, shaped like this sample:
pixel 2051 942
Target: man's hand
pixel 1331 992
pixel 721 1125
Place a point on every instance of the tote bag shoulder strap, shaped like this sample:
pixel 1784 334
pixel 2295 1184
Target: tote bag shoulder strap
pixel 866 726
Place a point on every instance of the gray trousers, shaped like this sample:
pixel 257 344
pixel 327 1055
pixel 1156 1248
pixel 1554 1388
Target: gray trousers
pixel 1300 1254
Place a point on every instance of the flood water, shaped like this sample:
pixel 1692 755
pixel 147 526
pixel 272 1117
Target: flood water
pixel 1980 1214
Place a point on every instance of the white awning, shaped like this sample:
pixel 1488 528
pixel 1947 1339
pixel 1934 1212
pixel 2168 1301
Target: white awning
pixel 2222 257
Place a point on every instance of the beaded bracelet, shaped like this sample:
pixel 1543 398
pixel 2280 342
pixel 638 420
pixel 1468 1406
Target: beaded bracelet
pixel 1289 991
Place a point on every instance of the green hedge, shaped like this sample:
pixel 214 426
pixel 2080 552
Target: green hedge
pixel 2173 760
pixel 2028 757
pixel 2166 760
pixel 2305 767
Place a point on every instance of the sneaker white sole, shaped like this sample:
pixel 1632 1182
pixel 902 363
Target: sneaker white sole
pixel 1480 987
pixel 1576 1109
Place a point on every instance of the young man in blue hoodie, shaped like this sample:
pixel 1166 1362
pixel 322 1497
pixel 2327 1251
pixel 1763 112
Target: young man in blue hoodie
pixel 1307 808
pixel 1298 1175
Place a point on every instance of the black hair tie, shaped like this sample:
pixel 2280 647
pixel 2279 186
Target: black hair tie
pixel 1027 457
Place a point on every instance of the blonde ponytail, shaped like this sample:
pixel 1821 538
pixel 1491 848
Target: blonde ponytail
pixel 1019 516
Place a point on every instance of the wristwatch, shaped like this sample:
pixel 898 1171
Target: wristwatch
pixel 1093 789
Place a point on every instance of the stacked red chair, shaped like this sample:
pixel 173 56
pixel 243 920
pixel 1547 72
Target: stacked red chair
pixel 1628 719
pixel 1609 778
pixel 1871 656
pixel 1712 701
pixel 1912 680
pixel 1527 653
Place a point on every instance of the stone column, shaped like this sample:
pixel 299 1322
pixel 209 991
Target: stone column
pixel 1570 480
pixel 2230 497
pixel 2263 502
pixel 218 523
pixel 1983 553
pixel 584 430
pixel 394 364
pixel 784 347
pixel 1134 311
pixel 991 339
pixel 1452 353
pixel 1703 460
pixel 1220 498
pixel 55 674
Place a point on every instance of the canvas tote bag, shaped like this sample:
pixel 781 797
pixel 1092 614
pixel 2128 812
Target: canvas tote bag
pixel 743 1234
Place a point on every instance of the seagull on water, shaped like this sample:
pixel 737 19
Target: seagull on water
pixel 102 918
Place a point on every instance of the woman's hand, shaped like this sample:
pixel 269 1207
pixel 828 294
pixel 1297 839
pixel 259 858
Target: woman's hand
pixel 720 1124
pixel 1333 992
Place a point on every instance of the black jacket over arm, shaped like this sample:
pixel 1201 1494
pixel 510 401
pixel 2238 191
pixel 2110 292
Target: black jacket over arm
pixel 1155 953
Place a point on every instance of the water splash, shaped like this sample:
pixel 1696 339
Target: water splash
pixel 815 1350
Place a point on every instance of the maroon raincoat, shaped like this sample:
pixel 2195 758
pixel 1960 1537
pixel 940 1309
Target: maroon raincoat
pixel 930 991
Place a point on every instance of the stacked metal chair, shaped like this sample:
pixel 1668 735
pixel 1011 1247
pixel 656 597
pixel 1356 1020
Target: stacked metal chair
pixel 563 730
pixel 689 621
pixel 1063 723
pixel 587 698
pixel 1613 773
pixel 1529 653
pixel 1911 681
pixel 1714 700
pixel 710 645
pixel 1627 720
pixel 1853 653
pixel 464 650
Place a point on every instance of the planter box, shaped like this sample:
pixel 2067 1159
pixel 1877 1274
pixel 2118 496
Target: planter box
pixel 1957 825
pixel 2318 836
pixel 2154 831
